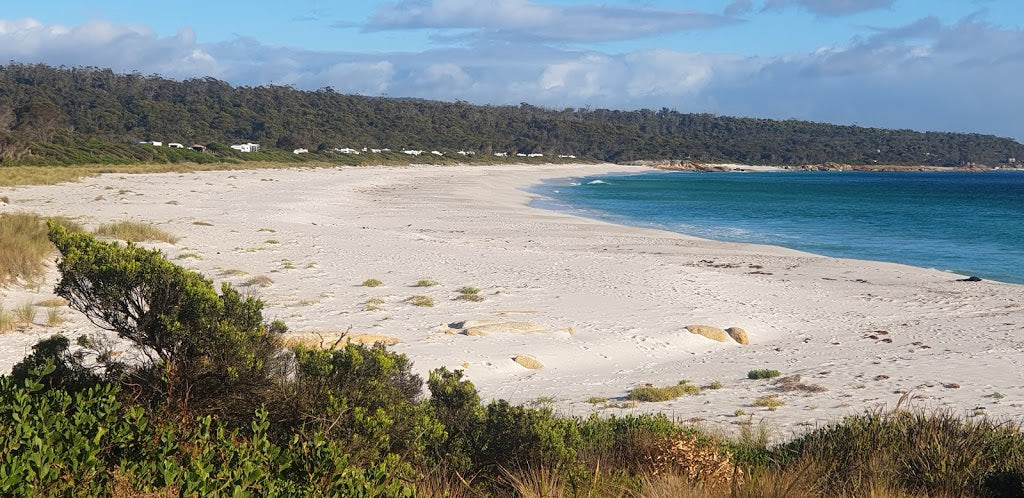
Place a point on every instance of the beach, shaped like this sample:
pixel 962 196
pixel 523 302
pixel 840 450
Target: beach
pixel 602 307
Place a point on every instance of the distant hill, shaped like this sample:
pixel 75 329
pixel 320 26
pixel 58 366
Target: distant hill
pixel 75 115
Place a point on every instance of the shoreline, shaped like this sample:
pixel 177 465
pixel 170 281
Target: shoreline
pixel 548 198
pixel 610 301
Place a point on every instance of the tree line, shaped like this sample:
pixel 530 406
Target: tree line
pixel 45 112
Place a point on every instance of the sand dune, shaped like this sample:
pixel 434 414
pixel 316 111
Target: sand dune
pixel 613 301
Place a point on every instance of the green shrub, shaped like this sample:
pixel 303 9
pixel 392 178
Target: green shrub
pixel 425 301
pixel 425 283
pixel 763 374
pixel 653 394
pixel 207 350
pixel 372 282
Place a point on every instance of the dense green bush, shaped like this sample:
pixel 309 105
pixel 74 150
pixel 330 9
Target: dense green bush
pixel 205 351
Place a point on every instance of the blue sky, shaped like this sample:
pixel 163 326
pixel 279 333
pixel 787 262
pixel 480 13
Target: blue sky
pixel 944 65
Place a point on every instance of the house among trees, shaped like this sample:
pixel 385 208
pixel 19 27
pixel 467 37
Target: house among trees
pixel 412 152
pixel 300 151
pixel 175 145
pixel 346 150
pixel 154 143
pixel 247 147
pixel 198 147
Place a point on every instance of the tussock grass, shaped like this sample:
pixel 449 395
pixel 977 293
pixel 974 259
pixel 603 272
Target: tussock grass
pixel 763 374
pixel 424 301
pixel 425 283
pixel 54 317
pixel 134 231
pixel 24 315
pixel 6 320
pixel 373 304
pixel 230 272
pixel 469 294
pixel 653 394
pixel 52 302
pixel 372 282
pixel 258 281
pixel 770 402
pixel 24 246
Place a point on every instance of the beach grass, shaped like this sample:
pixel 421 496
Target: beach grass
pixel 372 282
pixel 425 283
pixel 423 301
pixel 134 231
pixel 763 374
pixel 24 246
pixel 258 281
pixel 652 394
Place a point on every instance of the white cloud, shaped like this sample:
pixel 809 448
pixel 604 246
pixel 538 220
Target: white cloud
pixel 524 20
pixel 831 7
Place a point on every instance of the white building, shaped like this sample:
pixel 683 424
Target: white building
pixel 247 147
pixel 412 152
pixel 175 145
pixel 346 150
pixel 535 154
pixel 437 153
pixel 154 143
pixel 501 154
pixel 569 156
pixel 300 151
pixel 467 153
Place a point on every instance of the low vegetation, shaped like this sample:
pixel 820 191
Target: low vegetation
pixel 24 247
pixel 258 281
pixel 469 294
pixel 650 393
pixel 425 283
pixel 135 231
pixel 763 374
pixel 220 408
pixel 372 282
pixel 425 301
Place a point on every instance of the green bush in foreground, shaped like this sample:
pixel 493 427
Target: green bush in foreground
pixel 763 374
pixel 653 394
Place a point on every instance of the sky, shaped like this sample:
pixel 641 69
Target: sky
pixel 928 65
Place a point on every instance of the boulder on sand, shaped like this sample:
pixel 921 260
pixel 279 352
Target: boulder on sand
pixel 527 361
pixel 739 335
pixel 713 333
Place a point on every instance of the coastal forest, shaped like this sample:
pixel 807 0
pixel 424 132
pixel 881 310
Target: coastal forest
pixel 78 115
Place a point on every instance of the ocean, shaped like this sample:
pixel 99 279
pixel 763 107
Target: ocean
pixel 968 223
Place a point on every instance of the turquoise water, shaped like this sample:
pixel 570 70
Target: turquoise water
pixel 968 223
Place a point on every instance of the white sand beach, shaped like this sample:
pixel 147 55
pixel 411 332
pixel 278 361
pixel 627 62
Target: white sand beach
pixel 608 304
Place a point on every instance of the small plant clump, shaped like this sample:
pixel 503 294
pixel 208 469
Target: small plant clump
pixel 134 231
pixel 258 281
pixel 425 301
pixel 715 385
pixel 425 283
pixel 597 400
pixel 469 294
pixel 763 374
pixel 6 320
pixel 650 393
pixel 25 314
pixel 372 282
pixel 770 402
pixel 373 304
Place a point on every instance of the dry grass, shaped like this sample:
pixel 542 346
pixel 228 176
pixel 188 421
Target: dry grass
pixel 425 283
pixel 771 402
pixel 794 383
pixel 52 302
pixel 54 317
pixel 424 301
pixel 24 315
pixel 134 231
pixel 230 272
pixel 258 281
pixel 24 247
pixel 651 393
pixel 6 320
pixel 330 340
pixel 372 282
pixel 373 304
